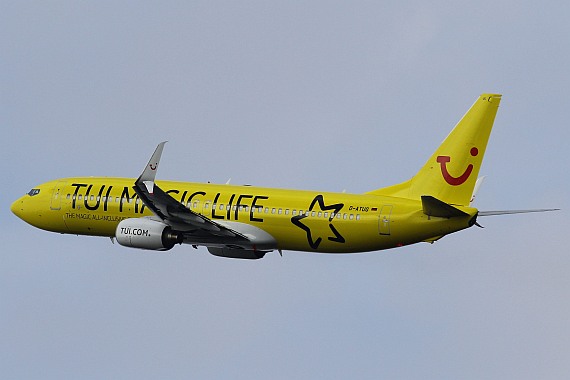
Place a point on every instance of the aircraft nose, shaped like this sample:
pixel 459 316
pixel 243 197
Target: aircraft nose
pixel 17 208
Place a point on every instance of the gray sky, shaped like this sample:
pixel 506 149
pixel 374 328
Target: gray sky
pixel 317 95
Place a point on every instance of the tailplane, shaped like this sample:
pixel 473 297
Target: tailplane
pixel 451 172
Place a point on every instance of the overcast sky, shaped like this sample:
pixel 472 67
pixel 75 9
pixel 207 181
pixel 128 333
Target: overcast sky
pixel 323 95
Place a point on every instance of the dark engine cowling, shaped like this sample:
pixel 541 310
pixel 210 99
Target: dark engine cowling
pixel 146 233
pixel 236 253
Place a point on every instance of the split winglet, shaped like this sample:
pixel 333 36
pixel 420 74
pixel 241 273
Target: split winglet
pixel 149 173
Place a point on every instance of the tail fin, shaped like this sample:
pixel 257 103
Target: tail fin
pixel 451 172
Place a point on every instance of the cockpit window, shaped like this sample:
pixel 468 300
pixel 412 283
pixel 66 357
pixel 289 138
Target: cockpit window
pixel 34 192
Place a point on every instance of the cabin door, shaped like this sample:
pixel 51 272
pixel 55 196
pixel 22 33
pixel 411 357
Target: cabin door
pixel 384 220
pixel 57 195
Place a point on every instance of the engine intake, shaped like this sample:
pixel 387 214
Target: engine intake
pixel 144 233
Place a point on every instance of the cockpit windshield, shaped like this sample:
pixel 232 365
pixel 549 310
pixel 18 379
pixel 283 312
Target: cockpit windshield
pixel 34 192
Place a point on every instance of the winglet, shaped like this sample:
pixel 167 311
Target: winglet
pixel 149 173
pixel 478 184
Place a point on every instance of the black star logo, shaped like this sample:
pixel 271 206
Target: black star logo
pixel 297 220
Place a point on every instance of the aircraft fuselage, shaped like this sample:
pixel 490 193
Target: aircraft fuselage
pixel 297 219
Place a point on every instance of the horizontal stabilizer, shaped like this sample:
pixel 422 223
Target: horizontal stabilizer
pixel 507 212
pixel 434 207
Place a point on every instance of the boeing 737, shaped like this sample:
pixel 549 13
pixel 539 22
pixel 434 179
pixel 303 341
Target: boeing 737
pixel 247 222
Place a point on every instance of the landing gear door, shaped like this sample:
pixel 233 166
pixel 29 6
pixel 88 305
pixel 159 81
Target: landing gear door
pixel 384 220
pixel 57 195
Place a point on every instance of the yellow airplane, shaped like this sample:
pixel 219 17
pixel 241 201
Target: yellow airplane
pixel 247 222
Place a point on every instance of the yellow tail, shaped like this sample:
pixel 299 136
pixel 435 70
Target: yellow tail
pixel 451 172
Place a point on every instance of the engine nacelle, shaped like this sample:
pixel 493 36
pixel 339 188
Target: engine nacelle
pixel 236 253
pixel 146 233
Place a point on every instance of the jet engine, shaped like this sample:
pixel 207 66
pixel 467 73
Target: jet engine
pixel 237 253
pixel 146 233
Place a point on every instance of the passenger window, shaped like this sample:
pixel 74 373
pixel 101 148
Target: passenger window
pixel 357 216
pixel 351 216
pixel 286 211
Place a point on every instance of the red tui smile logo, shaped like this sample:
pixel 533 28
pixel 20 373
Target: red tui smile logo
pixel 456 181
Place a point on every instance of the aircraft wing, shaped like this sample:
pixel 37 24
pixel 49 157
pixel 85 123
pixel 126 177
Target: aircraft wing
pixel 195 227
pixel 173 213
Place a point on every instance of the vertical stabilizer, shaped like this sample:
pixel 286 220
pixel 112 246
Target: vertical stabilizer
pixel 451 172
